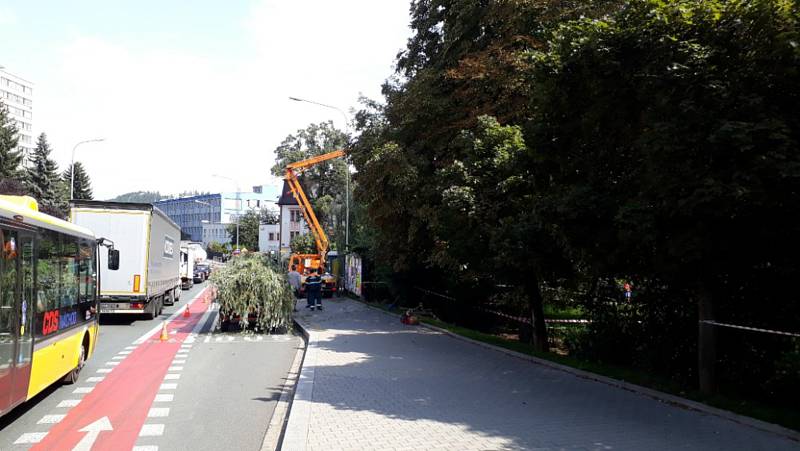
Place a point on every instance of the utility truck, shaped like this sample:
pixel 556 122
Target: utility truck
pixel 149 273
pixel 305 263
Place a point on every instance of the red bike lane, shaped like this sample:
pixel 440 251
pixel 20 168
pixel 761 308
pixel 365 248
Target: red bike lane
pixel 112 414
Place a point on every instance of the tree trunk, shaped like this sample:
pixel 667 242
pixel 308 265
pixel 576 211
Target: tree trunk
pixel 536 307
pixel 706 342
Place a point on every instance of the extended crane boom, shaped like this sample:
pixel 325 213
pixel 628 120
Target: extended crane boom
pixel 292 170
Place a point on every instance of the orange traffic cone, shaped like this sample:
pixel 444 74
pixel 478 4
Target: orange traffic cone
pixel 164 333
pixel 186 313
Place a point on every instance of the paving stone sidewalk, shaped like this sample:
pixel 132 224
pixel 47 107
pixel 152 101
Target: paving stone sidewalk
pixel 372 383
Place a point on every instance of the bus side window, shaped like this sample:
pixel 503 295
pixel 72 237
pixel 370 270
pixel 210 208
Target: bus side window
pixel 86 274
pixel 47 270
pixel 68 266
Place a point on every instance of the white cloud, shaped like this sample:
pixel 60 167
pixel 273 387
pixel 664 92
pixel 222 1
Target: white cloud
pixel 172 118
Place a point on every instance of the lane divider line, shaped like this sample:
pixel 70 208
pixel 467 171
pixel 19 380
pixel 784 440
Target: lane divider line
pixel 158 412
pixel 51 419
pixel 164 397
pixel 69 403
pixel 30 438
pixel 152 430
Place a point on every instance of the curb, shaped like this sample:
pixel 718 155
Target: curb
pixel 295 433
pixel 649 392
pixel 280 416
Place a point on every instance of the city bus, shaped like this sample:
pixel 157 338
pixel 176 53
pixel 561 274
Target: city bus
pixel 48 299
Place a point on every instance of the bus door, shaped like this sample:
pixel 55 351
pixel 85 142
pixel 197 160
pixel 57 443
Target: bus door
pixel 25 313
pixel 16 345
pixel 8 296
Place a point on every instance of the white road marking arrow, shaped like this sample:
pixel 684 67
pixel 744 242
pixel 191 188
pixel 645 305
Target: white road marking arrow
pixel 92 431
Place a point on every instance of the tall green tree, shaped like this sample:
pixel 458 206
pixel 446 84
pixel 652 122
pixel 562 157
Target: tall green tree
pixel 43 178
pixel 82 188
pixel 10 158
pixel 248 230
pixel 670 157
pixel 325 183
pixel 467 60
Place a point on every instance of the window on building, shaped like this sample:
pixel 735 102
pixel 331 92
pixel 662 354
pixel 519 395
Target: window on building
pixel 296 216
pixel 272 236
pixel 293 234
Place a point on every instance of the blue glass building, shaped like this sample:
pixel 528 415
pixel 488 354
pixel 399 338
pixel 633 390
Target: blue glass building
pixel 190 212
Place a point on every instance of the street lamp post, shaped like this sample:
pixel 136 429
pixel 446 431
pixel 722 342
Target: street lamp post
pixel 72 164
pixel 347 179
pixel 203 221
pixel 238 204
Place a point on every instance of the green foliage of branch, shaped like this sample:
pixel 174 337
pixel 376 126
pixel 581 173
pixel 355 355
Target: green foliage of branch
pixel 303 244
pixel 248 230
pixel 248 284
pixel 10 158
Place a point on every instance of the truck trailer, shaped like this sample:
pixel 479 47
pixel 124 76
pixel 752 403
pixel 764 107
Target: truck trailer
pixel 187 265
pixel 149 272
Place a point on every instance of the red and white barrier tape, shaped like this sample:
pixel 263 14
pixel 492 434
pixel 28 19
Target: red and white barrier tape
pixel 753 329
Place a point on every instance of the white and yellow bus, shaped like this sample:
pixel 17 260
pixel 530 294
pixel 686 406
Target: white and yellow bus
pixel 48 299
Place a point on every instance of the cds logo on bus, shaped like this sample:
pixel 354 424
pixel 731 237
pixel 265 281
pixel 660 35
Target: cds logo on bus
pixel 54 321
pixel 169 247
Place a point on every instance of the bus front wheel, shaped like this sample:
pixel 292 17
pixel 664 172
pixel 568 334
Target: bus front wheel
pixel 72 376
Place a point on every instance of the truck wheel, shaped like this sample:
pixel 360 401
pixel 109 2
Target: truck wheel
pixel 170 299
pixel 151 314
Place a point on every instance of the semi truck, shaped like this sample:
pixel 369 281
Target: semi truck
pixel 149 273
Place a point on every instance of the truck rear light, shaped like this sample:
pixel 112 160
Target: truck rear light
pixel 137 305
pixel 137 280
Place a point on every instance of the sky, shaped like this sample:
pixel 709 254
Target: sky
pixel 185 90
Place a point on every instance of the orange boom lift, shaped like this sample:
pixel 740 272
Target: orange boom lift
pixel 306 262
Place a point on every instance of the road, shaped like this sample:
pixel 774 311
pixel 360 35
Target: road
pixel 198 390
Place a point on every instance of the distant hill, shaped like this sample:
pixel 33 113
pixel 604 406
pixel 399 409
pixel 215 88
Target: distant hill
pixel 152 196
pixel 139 196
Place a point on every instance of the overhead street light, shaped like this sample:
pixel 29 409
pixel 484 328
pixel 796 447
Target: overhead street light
pixel 72 163
pixel 347 179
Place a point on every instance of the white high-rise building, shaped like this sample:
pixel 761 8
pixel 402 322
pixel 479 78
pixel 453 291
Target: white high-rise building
pixel 17 95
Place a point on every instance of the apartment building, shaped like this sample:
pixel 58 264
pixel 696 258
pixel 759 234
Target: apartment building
pixel 16 94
